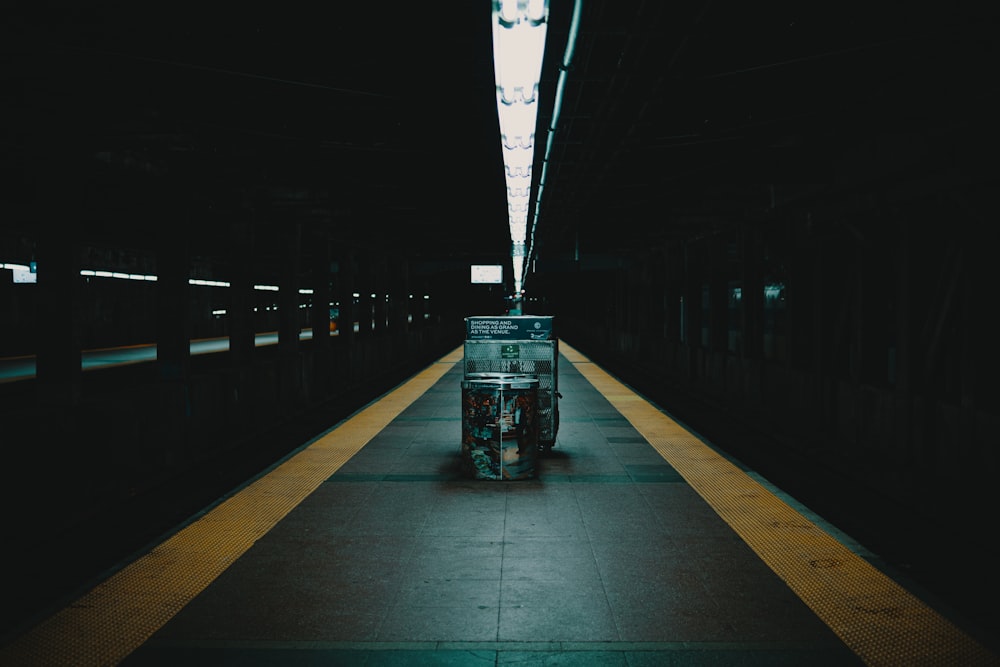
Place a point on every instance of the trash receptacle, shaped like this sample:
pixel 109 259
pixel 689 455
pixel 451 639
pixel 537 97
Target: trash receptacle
pixel 515 345
pixel 500 426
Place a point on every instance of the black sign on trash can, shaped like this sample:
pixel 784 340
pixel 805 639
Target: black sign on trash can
pixel 499 426
pixel 520 327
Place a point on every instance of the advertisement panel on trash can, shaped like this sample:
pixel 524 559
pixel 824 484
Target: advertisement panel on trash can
pixel 520 327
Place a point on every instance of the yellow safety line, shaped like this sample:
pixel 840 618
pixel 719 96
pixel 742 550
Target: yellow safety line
pixel 106 624
pixel 875 617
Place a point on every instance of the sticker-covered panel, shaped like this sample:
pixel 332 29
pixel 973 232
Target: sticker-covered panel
pixel 499 428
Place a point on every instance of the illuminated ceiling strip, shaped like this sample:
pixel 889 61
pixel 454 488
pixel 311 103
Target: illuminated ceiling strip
pixel 519 29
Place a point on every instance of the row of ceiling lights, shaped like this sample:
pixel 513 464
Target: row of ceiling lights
pixel 519 32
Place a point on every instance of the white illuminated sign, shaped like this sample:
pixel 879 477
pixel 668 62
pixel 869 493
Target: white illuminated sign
pixel 25 276
pixel 487 273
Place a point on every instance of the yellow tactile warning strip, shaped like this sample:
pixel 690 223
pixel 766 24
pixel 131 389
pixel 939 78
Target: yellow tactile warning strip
pixel 875 617
pixel 106 624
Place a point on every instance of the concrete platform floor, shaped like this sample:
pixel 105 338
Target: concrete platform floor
pixel 608 550
pixel 608 557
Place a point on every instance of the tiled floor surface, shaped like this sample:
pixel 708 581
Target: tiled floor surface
pixel 608 558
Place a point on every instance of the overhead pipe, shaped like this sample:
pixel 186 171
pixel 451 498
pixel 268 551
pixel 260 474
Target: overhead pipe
pixel 567 61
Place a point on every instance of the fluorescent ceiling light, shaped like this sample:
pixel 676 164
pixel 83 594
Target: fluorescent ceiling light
pixel 519 28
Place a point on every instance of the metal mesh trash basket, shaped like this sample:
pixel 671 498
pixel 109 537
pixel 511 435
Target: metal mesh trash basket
pixel 500 426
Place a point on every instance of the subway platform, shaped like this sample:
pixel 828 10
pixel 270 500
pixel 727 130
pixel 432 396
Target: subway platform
pixel 637 543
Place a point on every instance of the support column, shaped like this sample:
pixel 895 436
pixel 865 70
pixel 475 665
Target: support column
pixel 321 275
pixel 416 304
pixel 399 291
pixel 289 317
pixel 173 339
pixel 753 294
pixel 365 284
pixel 345 326
pixel 718 330
pixel 692 307
pixel 58 355
pixel 58 174
pixel 240 314
pixel 346 272
pixel 380 288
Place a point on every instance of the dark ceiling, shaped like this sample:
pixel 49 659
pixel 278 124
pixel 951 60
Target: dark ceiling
pixel 375 123
pixel 681 116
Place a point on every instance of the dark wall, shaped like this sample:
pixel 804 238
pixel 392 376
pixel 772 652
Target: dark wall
pixel 839 343
pixel 139 452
